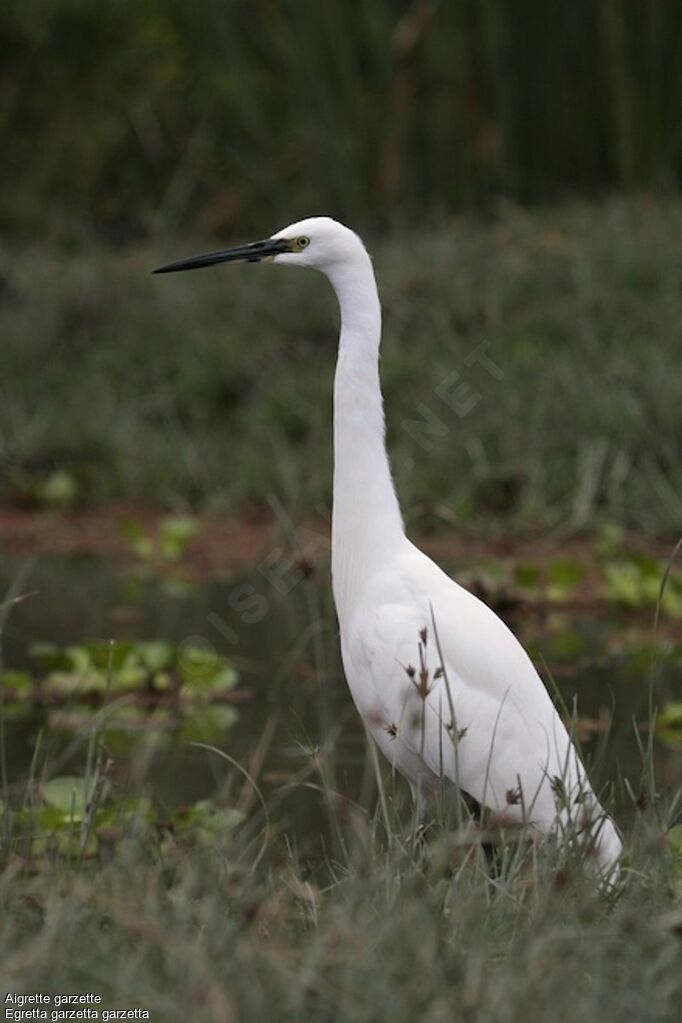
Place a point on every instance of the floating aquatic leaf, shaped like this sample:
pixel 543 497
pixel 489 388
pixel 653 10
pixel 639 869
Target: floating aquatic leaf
pixel 197 663
pixel 205 822
pixel 140 542
pixel 167 542
pixel 59 490
pixel 67 795
pixel 17 709
pixel 212 683
pixel 49 656
pixel 209 723
pixel 637 583
pixel 527 575
pixel 73 683
pixel 178 589
pixel 105 655
pixel 674 841
pixel 155 654
pixel 225 678
pixel 175 532
pixel 19 683
pixel 669 725
pixel 671 715
pixel 145 666
pixel 80 657
pixel 132 675
pixel 567 573
pixel 564 578
pixel 162 681
pixel 608 538
pixel 567 644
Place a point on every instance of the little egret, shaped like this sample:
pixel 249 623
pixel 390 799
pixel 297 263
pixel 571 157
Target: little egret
pixel 441 683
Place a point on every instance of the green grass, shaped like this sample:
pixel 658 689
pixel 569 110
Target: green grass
pixel 255 920
pixel 302 897
pixel 212 390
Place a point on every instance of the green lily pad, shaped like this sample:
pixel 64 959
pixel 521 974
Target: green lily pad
pixel 204 823
pixel 49 656
pixel 67 795
pixel 527 575
pixel 155 654
pixel 175 532
pixel 138 681
pixel 674 841
pixel 669 725
pixel 19 683
pixel 637 583
pixel 74 683
pixel 564 578
pixel 208 723
pixel 567 644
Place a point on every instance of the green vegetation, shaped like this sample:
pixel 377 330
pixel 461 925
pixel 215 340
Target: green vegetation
pixel 530 370
pixel 301 887
pixel 161 843
pixel 626 580
pixel 238 114
pixel 156 689
pixel 174 533
pixel 152 667
pixel 220 911
pixel 298 886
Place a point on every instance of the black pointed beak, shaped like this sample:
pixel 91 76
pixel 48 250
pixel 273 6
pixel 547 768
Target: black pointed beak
pixel 252 253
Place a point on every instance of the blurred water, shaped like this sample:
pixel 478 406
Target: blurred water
pixel 292 697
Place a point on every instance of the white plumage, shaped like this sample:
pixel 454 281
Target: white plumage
pixel 442 684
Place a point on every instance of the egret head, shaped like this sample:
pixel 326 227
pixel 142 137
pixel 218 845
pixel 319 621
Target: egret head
pixel 318 242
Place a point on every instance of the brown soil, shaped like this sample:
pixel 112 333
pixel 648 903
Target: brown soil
pixel 225 545
pixel 220 545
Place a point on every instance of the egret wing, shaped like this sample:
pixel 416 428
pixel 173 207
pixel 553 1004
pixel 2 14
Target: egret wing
pixel 447 690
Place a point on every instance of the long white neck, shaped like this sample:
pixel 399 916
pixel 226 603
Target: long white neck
pixel 366 522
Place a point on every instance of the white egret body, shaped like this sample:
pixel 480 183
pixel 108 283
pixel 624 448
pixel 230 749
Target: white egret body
pixel 440 681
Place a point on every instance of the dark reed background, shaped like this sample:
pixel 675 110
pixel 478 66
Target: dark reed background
pixel 514 167
pixel 127 119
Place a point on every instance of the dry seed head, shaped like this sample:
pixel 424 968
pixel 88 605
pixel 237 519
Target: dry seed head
pixel 559 790
pixel 422 686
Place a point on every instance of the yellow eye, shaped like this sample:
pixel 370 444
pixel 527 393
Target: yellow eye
pixel 302 242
